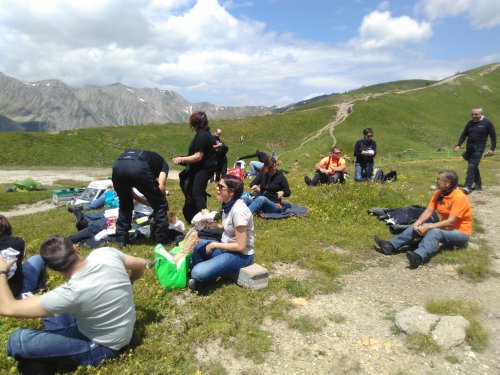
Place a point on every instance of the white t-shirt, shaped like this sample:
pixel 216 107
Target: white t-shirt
pixel 239 215
pixel 100 297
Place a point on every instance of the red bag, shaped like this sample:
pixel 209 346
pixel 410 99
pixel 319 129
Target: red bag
pixel 238 172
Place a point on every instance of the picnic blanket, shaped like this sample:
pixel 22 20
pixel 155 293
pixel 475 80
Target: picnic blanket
pixel 289 209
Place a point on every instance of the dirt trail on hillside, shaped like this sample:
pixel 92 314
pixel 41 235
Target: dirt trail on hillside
pixel 342 109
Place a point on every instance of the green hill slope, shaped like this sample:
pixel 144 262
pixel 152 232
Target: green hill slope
pixel 422 118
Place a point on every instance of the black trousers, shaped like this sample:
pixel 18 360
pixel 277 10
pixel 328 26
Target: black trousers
pixel 128 174
pixel 194 186
pixel 221 157
pixel 473 155
pixel 326 179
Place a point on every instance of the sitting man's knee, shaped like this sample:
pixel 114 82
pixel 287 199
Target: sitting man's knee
pixel 15 345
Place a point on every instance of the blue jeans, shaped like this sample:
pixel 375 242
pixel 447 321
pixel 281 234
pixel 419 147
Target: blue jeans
pixel 98 203
pixel 218 263
pixel 363 171
pixel 59 344
pixel 32 268
pixel 261 203
pixel 430 243
pixel 255 167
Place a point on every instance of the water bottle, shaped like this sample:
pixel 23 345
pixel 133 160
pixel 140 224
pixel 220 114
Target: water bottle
pixel 273 154
pixel 9 254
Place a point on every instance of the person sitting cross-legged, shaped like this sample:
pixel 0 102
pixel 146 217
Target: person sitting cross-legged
pixel 454 229
pixel 268 189
pixel 213 259
pixel 329 170
pixel 88 319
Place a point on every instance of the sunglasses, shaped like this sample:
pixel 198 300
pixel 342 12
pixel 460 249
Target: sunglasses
pixel 222 187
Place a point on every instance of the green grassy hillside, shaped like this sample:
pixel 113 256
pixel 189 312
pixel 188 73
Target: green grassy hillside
pixel 423 120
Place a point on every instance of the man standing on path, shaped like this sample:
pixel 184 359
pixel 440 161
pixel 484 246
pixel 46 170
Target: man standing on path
pixel 88 319
pixel 476 132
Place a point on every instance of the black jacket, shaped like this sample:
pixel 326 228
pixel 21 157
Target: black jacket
pixel 271 184
pixel 477 134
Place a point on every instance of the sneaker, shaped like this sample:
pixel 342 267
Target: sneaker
pixel 192 284
pixel 414 259
pixel 307 180
pixel 385 247
pixel 466 190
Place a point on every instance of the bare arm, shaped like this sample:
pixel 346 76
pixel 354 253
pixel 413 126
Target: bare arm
pixel 140 198
pixel 195 158
pixel 135 265
pixel 9 306
pixel 452 219
pixel 319 167
pixel 423 217
pixel 239 246
pixel 162 178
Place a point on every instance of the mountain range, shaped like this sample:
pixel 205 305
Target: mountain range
pixel 51 105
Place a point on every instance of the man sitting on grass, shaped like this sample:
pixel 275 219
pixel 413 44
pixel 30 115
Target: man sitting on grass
pixel 329 170
pixel 89 318
pixel 454 229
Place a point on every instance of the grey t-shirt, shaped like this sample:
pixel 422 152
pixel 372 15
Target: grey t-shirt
pixel 100 297
pixel 239 215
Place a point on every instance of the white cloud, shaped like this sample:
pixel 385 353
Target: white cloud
pixel 200 50
pixel 380 29
pixel 481 13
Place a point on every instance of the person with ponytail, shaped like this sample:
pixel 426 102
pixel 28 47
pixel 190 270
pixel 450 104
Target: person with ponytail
pixel 213 259
pixel 454 228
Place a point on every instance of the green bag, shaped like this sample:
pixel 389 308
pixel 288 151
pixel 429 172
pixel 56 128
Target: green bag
pixel 171 275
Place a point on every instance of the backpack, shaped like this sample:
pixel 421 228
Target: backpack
pixel 390 176
pixel 378 175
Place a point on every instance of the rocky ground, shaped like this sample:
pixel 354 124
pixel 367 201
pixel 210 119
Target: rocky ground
pixel 357 334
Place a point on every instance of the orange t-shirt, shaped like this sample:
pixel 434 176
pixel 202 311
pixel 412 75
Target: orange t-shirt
pixel 456 203
pixel 329 164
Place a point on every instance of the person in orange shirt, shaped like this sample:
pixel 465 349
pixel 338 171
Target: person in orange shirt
pixel 329 169
pixel 454 228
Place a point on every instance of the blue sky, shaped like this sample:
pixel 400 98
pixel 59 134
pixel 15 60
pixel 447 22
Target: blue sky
pixel 246 52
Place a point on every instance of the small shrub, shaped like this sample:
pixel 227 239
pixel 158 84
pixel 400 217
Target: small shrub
pixel 421 343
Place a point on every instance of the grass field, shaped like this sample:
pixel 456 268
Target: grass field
pixel 171 324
